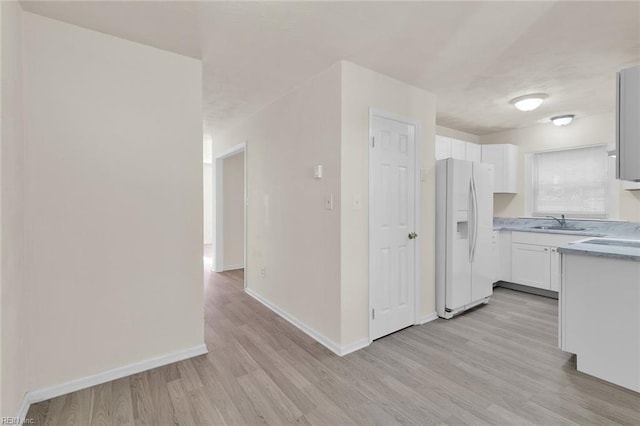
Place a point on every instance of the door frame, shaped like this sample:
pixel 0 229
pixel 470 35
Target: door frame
pixel 373 112
pixel 218 263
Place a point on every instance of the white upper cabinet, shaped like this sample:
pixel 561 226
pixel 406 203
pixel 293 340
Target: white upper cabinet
pixel 504 158
pixel 458 149
pixel 473 152
pixel 443 148
pixel 630 186
pixel 628 124
pixel 455 148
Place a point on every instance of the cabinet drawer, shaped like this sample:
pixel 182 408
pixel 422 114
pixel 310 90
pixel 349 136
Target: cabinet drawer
pixel 542 239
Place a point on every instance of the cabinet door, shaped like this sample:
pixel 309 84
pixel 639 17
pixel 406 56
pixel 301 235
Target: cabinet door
pixel 458 149
pixel 504 158
pixel 556 269
pixel 531 265
pixel 473 152
pixel 510 169
pixel 494 154
pixel 443 148
pixel 504 243
pixel 495 253
pixel 628 125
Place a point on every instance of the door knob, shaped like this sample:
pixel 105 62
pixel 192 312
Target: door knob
pixel 412 235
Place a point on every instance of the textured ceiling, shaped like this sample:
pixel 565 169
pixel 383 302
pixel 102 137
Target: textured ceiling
pixel 475 56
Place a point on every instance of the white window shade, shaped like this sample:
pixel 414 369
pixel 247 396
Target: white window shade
pixel 573 182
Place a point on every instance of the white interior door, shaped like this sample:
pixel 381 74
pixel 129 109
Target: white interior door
pixel 392 177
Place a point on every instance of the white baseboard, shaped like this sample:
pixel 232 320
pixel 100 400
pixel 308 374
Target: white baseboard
pixel 328 343
pixel 427 318
pixel 107 376
pixel 334 347
pixel 232 267
pixel 23 409
pixel 352 347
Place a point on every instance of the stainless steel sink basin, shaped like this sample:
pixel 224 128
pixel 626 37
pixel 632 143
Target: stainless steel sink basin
pixel 612 242
pixel 559 228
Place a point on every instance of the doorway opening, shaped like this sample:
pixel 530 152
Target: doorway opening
pixel 230 209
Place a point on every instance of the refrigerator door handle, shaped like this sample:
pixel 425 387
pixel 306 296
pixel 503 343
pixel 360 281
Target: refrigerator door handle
pixel 471 220
pixel 475 219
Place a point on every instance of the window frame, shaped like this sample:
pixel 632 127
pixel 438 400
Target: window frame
pixel 610 186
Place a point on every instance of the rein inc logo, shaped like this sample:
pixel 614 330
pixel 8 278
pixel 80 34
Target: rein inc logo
pixel 17 421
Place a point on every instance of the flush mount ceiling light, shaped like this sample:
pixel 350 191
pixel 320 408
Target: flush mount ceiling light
pixel 529 102
pixel 562 120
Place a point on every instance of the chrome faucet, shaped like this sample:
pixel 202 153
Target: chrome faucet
pixel 562 221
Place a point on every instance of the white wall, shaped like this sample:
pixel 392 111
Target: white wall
pixel 290 234
pixel 315 259
pixel 453 133
pixel 590 130
pixel 207 200
pixel 207 188
pixel 363 89
pixel 13 302
pixel 113 200
pixel 233 211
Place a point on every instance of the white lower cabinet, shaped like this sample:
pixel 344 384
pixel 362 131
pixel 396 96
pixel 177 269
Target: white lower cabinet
pixel 495 255
pixel 504 256
pixel 535 260
pixel 599 317
pixel 556 268
pixel 531 265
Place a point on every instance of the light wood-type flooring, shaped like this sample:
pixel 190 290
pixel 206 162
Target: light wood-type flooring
pixel 498 364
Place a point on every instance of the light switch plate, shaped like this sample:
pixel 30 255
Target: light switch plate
pixel 328 202
pixel 357 203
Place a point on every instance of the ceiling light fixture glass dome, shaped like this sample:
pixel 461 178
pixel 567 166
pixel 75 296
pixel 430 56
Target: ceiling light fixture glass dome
pixel 562 120
pixel 529 102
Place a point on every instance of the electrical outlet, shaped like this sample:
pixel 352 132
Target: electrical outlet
pixel 263 271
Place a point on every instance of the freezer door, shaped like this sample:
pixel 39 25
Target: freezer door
pixel 459 233
pixel 481 252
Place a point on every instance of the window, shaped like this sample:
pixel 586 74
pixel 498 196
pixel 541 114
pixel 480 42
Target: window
pixel 573 182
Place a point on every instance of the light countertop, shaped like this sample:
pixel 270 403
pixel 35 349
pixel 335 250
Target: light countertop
pixel 587 247
pixel 623 231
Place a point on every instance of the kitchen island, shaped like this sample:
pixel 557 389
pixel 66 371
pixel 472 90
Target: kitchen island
pixel 600 308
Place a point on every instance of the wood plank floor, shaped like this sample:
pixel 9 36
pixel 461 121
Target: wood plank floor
pixel 498 364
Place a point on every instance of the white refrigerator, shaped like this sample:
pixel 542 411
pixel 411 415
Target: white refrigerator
pixel 464 228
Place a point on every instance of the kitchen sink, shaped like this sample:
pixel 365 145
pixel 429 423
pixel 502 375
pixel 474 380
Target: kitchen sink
pixel 612 242
pixel 559 228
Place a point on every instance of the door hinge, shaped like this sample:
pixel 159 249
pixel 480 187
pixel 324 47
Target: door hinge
pixel 373 141
pixel 373 313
